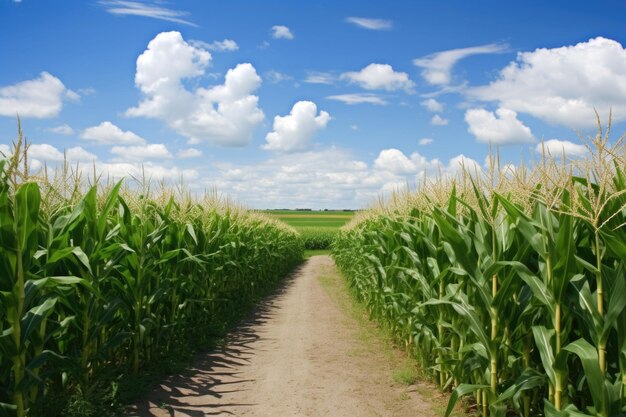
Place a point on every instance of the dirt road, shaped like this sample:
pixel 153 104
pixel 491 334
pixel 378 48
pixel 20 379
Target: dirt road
pixel 301 354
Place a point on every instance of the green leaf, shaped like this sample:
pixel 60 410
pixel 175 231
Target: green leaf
pixel 33 318
pixel 617 303
pixel 543 342
pixel 588 356
pixel 538 288
pixel 460 391
pixel 27 201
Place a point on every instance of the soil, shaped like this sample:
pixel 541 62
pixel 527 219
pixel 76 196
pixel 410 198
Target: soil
pixel 302 353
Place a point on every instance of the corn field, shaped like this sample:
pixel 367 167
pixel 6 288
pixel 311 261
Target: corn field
pixel 508 285
pixel 99 278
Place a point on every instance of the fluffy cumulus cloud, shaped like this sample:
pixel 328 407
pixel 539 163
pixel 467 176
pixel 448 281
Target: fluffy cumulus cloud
pixel 370 23
pixel 433 105
pixel 461 163
pixel 501 128
pixel 224 114
pixel 418 167
pixel 437 67
pixel 295 131
pixel 150 162
pixel 40 98
pixel 564 85
pixel 161 68
pixel 395 161
pixel 380 77
pixel 150 171
pixel 437 120
pixel 558 148
pixel 137 162
pixel 153 151
pixel 47 153
pixel 332 176
pixel 282 32
pixel 359 98
pixel 106 133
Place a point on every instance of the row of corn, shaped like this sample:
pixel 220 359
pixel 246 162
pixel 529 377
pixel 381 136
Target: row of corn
pixel 508 285
pixel 112 277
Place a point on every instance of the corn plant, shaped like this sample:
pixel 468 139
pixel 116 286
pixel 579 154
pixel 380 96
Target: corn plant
pixel 100 280
pixel 509 288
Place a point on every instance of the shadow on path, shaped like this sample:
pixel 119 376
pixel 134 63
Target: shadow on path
pixel 216 373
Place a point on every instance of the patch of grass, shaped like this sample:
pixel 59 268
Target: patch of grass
pixel 406 375
pixel 314 252
pixel 317 228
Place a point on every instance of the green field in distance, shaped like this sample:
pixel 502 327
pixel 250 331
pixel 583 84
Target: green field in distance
pixel 318 228
pixel 308 219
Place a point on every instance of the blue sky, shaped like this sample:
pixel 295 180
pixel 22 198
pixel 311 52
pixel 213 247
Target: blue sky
pixel 305 104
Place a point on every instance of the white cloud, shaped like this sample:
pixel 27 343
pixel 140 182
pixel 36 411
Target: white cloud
pixel 45 151
pixel 395 161
pixel 189 153
pixel 416 166
pixel 354 127
pixel 438 120
pixel 88 91
pixel 154 11
pixel 314 77
pixel 276 77
pixel 461 163
pixel 330 178
pixel 372 24
pixel 141 153
pixel 40 98
pixel 106 133
pixel 148 170
pixel 49 153
pixel 281 32
pixel 295 131
pixel 5 151
pixel 359 98
pixel 225 45
pixel 564 85
pixel 501 128
pixel 436 68
pixel 557 148
pixel 224 114
pixel 380 77
pixel 86 162
pixel 425 141
pixel 433 105
pixel 71 95
pixel 77 153
pixel 161 68
pixel 63 129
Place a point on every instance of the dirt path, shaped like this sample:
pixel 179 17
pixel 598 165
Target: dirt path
pixel 302 354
